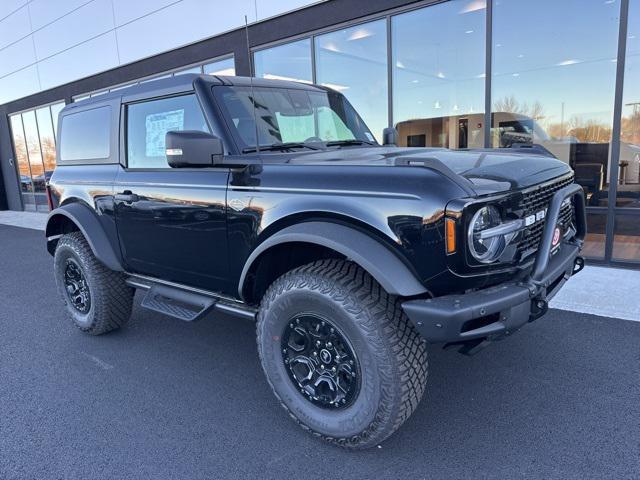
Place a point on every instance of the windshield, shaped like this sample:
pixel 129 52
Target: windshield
pixel 290 116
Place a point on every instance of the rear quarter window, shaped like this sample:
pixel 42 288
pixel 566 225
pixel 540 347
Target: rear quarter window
pixel 86 135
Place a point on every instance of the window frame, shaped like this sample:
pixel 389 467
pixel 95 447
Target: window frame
pixel 113 147
pixel 124 128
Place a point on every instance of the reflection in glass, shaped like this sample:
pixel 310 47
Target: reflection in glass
pixel 197 69
pixel 287 115
pixel 221 67
pixel 21 157
pixel 55 111
pixel 629 164
pixel 438 75
pixel 148 122
pixel 626 240
pixel 285 62
pixel 47 140
pixel 596 233
pixel 33 150
pixel 554 85
pixel 353 62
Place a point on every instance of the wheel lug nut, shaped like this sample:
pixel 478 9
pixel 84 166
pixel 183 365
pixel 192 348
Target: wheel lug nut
pixel 315 354
pixel 329 345
pixel 333 369
pixel 322 366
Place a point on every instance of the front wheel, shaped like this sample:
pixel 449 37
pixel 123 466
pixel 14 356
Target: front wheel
pixel 340 354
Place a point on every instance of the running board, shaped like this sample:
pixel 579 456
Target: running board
pixel 185 303
pixel 180 304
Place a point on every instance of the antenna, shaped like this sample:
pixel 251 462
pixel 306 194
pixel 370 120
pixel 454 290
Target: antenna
pixel 253 97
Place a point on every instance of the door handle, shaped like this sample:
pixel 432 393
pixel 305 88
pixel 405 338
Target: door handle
pixel 127 197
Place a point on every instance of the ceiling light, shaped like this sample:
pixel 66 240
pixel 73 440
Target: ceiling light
pixel 440 75
pixel 474 6
pixel 331 47
pixel 520 55
pixel 415 81
pixel 335 86
pixel 516 74
pixel 271 76
pixel 468 31
pixel 455 108
pixel 399 64
pixel 360 33
pixel 568 62
pixel 225 72
pixel 437 105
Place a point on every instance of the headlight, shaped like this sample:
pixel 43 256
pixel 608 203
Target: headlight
pixel 486 249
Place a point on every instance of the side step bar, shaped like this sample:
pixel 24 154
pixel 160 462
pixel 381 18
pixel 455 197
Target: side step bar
pixel 185 303
pixel 181 304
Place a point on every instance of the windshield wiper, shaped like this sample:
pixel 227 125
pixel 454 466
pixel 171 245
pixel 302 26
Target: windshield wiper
pixel 349 142
pixel 280 146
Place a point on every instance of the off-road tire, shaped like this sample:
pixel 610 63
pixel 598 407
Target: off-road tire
pixel 111 298
pixel 391 353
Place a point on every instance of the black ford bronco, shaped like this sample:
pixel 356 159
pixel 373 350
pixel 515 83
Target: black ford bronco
pixel 271 200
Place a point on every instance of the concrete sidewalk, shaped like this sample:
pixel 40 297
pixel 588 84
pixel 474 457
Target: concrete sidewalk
pixel 604 291
pixel 33 220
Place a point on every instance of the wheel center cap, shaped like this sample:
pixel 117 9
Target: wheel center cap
pixel 325 356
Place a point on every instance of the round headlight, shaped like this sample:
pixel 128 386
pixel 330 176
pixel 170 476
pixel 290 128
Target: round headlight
pixel 485 250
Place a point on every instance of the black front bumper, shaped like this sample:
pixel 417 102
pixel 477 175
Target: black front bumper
pixel 500 310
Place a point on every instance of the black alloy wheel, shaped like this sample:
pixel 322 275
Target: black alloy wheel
pixel 320 362
pixel 76 286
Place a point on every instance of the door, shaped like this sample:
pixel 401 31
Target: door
pixel 463 133
pixel 171 221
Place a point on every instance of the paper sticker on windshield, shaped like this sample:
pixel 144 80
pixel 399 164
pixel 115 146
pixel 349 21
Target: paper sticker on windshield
pixel 369 136
pixel 157 125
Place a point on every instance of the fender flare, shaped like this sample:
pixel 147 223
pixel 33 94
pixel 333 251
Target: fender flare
pixel 87 222
pixel 372 255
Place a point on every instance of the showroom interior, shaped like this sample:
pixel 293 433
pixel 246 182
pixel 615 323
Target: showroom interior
pixel 454 74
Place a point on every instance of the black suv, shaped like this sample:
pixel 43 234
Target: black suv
pixel 272 200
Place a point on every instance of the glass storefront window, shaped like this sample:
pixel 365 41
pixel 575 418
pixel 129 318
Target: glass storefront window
pixel 291 61
pixel 35 158
pixel 594 243
pixel 626 240
pixel 22 161
pixel 221 67
pixel 554 69
pixel 353 61
pixel 438 64
pixel 34 143
pixel 55 111
pixel 629 163
pixel 47 140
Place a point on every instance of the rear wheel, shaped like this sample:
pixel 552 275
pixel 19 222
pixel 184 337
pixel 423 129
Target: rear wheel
pixel 340 354
pixel 97 299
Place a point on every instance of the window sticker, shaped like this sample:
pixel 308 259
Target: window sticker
pixel 157 125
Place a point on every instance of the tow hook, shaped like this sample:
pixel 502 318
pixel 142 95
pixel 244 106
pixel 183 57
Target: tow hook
pixel 539 307
pixel 578 265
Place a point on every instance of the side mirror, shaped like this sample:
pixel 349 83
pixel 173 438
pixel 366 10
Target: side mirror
pixel 389 136
pixel 192 148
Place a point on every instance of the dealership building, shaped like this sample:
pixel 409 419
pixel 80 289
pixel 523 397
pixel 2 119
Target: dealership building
pixel 563 74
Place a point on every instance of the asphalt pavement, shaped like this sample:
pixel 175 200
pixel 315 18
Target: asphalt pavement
pixel 165 399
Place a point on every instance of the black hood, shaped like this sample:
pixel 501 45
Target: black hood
pixel 488 171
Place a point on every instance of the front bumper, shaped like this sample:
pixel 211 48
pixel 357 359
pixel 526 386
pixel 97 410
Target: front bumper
pixel 497 311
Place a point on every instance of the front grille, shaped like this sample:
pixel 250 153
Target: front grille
pixel 535 200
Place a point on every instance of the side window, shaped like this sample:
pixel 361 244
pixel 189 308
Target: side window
pixel 148 122
pixel 86 135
